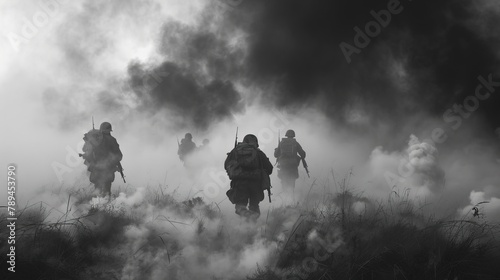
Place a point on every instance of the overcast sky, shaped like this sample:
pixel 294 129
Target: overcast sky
pixel 362 83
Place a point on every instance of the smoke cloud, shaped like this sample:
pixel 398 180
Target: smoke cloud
pixel 409 68
pixel 188 240
pixel 198 105
pixel 423 157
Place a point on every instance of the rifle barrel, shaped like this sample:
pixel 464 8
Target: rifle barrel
pixel 236 139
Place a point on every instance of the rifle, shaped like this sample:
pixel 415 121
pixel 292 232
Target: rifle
pixel 178 144
pixel 236 139
pixel 120 169
pixel 304 163
pixel 93 128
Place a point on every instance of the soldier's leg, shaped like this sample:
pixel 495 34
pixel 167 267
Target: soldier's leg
pixel 283 185
pixel 287 184
pixel 101 186
pixel 110 177
pixel 256 196
pixel 106 189
pixel 286 179
pixel 241 210
pixel 96 179
pixel 293 177
pixel 281 176
pixel 254 206
pixel 254 212
pixel 241 195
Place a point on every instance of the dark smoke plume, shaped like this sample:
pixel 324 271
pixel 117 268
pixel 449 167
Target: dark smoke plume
pixel 180 91
pixel 427 58
pixel 197 78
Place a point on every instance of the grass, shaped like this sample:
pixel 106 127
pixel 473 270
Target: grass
pixel 92 244
pixel 62 249
pixel 394 240
pixel 343 236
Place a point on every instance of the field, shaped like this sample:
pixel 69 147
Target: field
pixel 150 233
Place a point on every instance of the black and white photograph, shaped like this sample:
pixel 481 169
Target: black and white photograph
pixel 250 139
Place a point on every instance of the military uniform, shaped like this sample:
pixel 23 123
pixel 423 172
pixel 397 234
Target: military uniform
pixel 246 190
pixel 186 146
pixel 103 160
pixel 289 152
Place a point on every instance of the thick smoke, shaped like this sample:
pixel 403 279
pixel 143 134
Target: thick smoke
pixel 190 80
pixel 197 76
pixel 416 168
pixel 289 52
pixel 423 158
pixel 427 58
pixel 188 240
pixel 195 104
pixel 90 48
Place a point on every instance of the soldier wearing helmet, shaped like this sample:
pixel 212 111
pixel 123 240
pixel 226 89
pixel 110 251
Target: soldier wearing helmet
pixel 186 147
pixel 246 165
pixel 288 154
pixel 106 156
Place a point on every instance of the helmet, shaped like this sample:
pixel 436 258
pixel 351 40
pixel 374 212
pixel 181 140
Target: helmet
pixel 251 139
pixel 105 127
pixel 188 136
pixel 290 133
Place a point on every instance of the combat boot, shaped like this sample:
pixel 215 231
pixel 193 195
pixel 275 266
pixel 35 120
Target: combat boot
pixel 241 210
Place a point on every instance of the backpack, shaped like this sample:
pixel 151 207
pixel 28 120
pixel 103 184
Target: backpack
pixel 244 162
pixel 288 147
pixel 92 139
pixel 288 153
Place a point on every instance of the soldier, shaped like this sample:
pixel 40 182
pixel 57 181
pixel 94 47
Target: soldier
pixel 186 146
pixel 246 166
pixel 288 154
pixel 103 156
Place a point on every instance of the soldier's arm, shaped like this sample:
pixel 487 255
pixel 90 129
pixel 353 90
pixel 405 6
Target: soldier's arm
pixel 301 151
pixel 267 165
pixel 181 148
pixel 116 152
pixel 277 152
